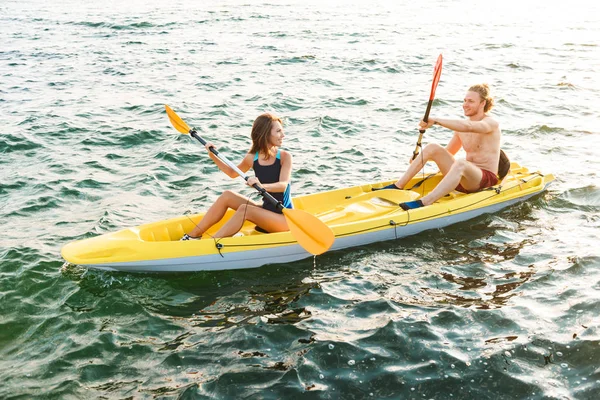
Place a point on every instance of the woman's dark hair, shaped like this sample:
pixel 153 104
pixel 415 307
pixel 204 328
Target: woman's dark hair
pixel 261 129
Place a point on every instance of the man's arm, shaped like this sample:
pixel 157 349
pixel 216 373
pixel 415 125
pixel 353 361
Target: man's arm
pixel 486 125
pixel 454 144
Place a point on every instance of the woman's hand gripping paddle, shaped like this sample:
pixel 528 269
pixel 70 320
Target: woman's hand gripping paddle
pixel 310 232
pixel 437 73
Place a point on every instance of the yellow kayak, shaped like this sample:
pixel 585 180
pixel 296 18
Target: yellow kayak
pixel 357 215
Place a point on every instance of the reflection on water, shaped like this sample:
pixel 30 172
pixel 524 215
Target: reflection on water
pixel 490 291
pixel 241 309
pixel 493 295
pixel 247 307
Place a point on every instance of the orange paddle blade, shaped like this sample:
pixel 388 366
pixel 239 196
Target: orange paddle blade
pixel 437 73
pixel 310 232
pixel 177 122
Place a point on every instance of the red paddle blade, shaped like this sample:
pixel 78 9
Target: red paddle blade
pixel 437 73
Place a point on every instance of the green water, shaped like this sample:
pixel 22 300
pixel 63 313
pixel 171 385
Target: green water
pixel 501 307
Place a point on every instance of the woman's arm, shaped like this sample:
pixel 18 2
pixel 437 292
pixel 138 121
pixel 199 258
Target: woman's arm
pixel 243 166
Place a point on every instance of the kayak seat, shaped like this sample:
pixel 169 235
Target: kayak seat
pixel 259 229
pixel 162 233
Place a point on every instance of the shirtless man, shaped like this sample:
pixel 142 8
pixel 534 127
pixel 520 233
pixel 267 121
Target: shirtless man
pixel 479 135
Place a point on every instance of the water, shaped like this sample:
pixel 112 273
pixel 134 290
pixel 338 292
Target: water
pixel 501 307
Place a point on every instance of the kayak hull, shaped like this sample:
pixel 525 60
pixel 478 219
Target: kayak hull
pixel 357 215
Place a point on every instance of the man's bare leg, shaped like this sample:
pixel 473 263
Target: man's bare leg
pixel 431 152
pixel 463 172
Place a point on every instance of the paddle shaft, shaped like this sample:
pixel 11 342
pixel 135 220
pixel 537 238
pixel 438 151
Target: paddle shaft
pixel 263 192
pixel 422 131
pixel 437 72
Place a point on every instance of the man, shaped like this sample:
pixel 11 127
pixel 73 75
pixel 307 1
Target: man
pixel 479 135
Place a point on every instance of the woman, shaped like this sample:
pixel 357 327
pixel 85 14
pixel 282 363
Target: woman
pixel 272 167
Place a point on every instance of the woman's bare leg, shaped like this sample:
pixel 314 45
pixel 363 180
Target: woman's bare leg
pixel 268 220
pixel 215 213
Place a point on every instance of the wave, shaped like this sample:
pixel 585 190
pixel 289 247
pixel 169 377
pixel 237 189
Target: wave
pixel 13 143
pixel 585 199
pixel 292 60
pixel 131 26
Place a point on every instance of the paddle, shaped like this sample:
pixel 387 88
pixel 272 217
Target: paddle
pixel 437 73
pixel 310 232
pixel 418 184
